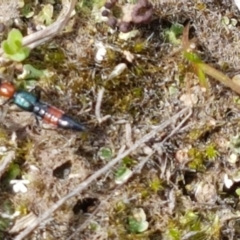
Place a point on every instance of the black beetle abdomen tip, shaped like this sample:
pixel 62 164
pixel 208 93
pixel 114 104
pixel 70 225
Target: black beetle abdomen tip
pixel 69 123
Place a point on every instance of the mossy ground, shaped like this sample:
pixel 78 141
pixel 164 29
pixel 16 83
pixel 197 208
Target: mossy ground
pixel 181 188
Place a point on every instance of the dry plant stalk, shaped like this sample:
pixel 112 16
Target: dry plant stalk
pixel 101 171
pixel 98 107
pixel 214 73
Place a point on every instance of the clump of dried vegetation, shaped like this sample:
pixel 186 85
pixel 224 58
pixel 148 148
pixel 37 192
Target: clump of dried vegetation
pixel 160 100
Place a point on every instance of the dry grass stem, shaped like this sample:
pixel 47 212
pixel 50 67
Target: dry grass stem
pixel 98 107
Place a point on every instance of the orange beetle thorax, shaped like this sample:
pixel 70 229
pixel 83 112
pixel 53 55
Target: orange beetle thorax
pixel 7 90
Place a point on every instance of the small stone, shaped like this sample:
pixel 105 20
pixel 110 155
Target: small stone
pixel 189 99
pixel 227 181
pixel 233 158
pixel 206 193
pixel 147 150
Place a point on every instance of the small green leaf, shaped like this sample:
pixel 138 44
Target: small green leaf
pixel 13 171
pixel 20 55
pixel 6 48
pixel 202 78
pixel 122 175
pixel 237 191
pixel 12 47
pixel 30 72
pixel 192 57
pixel 136 226
pixel 26 51
pixel 105 153
pixel 127 161
pixel 177 29
pixel 45 16
pixel 26 11
pixel 4 224
pixel 173 33
pixel 174 233
pixel 15 39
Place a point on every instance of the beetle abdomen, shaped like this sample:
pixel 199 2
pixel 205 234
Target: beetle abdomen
pixel 57 117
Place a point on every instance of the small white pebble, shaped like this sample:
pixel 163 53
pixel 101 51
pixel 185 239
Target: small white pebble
pixel 182 155
pixel 129 56
pixel 139 214
pixel 101 52
pixel 117 193
pixel 33 168
pixel 13 137
pixel 117 70
pixel 147 150
pixel 14 215
pixel 19 185
pixel 3 150
pixel 227 181
pixel 189 99
pixel 74 176
pixel 237 2
pixel 233 158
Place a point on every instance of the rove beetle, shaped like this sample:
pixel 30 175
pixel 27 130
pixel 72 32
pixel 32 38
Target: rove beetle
pixel 31 103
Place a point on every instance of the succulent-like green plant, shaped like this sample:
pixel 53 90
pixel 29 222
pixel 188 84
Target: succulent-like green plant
pixel 137 223
pixel 13 47
pixel 105 153
pixel 122 174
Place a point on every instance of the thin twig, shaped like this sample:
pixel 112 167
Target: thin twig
pixel 98 107
pixel 176 129
pixel 97 174
pixel 128 131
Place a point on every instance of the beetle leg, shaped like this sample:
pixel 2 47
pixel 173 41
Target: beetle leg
pixel 37 120
pixel 37 92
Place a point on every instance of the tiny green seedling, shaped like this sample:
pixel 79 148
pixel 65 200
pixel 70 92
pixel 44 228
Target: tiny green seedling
pixel 237 191
pixel 105 153
pixel 137 223
pixel 45 16
pixel 13 47
pixel 122 175
pixel 30 72
pixel 173 33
